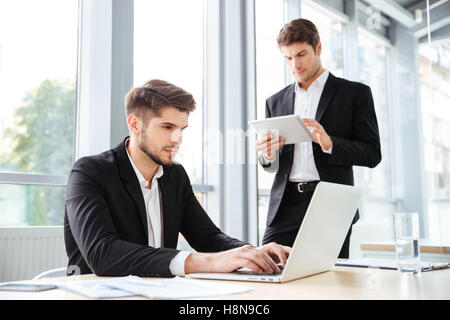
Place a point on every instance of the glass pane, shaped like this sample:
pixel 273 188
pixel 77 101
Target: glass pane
pixel 435 101
pixel 331 37
pixel 377 206
pixel 168 45
pixel 372 70
pixel 269 80
pixel 26 205
pixel 38 64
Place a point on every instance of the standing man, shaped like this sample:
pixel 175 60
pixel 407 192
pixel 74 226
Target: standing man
pixel 344 126
pixel 126 206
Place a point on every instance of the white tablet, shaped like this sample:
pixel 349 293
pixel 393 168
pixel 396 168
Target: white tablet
pixel 290 128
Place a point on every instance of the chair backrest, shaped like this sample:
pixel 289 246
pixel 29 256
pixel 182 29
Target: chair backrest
pixel 53 273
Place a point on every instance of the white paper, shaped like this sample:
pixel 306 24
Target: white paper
pixel 96 289
pixel 173 288
pixel 377 263
pixel 179 288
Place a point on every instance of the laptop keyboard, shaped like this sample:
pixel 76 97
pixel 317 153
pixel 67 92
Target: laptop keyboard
pixel 253 273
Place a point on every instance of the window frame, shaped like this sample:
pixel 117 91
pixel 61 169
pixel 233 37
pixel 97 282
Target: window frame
pixel 33 179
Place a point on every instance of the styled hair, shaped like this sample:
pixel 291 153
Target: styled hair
pixel 298 30
pixel 146 101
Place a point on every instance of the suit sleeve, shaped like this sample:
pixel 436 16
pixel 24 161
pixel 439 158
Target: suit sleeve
pixel 96 237
pixel 199 230
pixel 364 147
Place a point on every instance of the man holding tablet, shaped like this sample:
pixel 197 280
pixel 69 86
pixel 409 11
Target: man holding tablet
pixel 344 126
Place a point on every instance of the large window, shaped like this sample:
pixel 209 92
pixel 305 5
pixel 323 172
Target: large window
pixel 168 45
pixel 270 78
pixel 373 71
pixel 377 205
pixel 38 63
pixel 331 36
pixel 435 96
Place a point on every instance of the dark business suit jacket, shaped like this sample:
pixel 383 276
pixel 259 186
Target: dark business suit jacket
pixel 105 223
pixel 346 112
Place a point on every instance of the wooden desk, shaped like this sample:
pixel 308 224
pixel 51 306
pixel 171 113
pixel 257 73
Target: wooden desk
pixel 386 250
pixel 341 283
pixel 390 246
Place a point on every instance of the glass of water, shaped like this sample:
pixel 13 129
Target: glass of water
pixel 406 229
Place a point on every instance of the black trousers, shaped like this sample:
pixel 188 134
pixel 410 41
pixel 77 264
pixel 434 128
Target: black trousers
pixel 288 220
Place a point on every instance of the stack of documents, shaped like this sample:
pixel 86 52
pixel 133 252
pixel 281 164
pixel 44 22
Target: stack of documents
pixel 174 288
pixel 388 264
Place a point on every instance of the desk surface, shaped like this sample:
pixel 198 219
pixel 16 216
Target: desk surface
pixel 341 283
pixel 425 247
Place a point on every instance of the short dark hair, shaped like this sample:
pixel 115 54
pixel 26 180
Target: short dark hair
pixel 146 101
pixel 298 30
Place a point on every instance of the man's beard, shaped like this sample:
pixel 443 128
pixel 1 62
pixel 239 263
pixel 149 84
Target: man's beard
pixel 313 72
pixel 151 154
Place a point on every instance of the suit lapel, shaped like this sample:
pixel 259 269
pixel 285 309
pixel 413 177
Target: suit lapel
pixel 289 100
pixel 168 207
pixel 134 190
pixel 328 93
pixel 289 109
pixel 131 183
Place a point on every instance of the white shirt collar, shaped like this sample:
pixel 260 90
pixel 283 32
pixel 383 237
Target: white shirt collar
pixel 319 82
pixel 144 183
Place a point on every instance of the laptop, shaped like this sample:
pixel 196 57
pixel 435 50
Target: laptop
pixel 319 239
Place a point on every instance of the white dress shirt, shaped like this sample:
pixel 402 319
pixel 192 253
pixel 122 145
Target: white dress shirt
pixel 305 105
pixel 153 210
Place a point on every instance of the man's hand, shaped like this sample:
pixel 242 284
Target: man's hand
pixel 256 259
pixel 277 252
pixel 320 135
pixel 268 145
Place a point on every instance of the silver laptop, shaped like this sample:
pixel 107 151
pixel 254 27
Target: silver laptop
pixel 319 240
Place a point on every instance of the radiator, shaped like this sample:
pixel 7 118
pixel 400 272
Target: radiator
pixel 28 251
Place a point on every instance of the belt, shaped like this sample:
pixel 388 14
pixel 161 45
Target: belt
pixel 303 186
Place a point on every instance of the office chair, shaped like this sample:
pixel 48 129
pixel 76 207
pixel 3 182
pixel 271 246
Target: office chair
pixel 53 273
